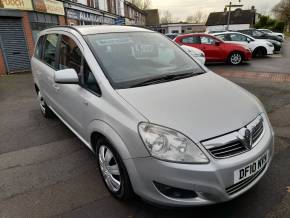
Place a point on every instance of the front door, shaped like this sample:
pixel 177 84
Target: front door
pixel 213 52
pixel 76 103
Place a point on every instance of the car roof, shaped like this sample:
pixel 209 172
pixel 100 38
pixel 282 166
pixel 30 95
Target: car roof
pixel 100 29
pixel 194 34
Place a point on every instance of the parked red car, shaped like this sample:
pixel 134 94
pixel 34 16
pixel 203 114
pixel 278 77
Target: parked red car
pixel 215 49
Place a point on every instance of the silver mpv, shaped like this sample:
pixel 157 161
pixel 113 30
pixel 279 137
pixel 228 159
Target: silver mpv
pixel 162 126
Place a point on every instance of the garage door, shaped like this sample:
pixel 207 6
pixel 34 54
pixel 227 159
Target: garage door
pixel 13 45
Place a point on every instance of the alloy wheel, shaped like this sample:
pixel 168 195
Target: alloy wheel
pixel 109 168
pixel 41 103
pixel 236 58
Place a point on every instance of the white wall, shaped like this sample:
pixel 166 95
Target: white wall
pixel 103 5
pixel 232 27
pixel 120 7
pixel 174 28
pixel 84 2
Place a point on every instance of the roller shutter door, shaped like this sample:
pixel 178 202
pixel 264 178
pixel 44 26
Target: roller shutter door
pixel 13 45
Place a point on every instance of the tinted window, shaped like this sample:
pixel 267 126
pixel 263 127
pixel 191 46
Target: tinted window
pixel 90 81
pixel 130 58
pixel 70 55
pixel 50 49
pixel 207 40
pixel 238 37
pixel 257 33
pixel 191 40
pixel 38 48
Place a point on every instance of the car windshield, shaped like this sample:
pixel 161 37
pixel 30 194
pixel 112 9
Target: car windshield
pixel 133 57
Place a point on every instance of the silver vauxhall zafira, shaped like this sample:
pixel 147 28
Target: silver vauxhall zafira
pixel 162 126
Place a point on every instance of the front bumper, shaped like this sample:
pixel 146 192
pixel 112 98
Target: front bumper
pixel 209 181
pixel 270 50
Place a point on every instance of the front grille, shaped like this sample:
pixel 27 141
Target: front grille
pixel 257 131
pixel 234 146
pixel 244 183
pixel 228 149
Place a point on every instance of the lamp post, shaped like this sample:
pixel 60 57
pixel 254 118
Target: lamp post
pixel 230 6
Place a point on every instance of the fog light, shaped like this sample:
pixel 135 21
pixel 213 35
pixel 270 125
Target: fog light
pixel 173 192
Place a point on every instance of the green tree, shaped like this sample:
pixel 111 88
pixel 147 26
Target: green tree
pixel 282 12
pixel 265 22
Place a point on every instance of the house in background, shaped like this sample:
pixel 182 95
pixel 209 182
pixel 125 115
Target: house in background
pixel 180 28
pixel 239 20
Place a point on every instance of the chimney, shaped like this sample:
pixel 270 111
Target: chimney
pixel 253 8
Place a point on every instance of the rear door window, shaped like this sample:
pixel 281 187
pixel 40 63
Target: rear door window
pixel 207 40
pixel 191 40
pixel 238 37
pixel 50 48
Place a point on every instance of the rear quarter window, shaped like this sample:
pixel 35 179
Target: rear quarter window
pixel 39 48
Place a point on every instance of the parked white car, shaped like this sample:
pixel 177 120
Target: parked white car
pixel 195 53
pixel 272 33
pixel 259 47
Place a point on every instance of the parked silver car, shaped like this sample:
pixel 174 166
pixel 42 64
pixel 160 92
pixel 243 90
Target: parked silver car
pixel 161 125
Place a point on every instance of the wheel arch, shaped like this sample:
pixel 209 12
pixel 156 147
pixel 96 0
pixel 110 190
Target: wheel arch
pixel 257 49
pixel 98 129
pixel 237 51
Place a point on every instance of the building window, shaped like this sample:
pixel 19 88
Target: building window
pixel 41 21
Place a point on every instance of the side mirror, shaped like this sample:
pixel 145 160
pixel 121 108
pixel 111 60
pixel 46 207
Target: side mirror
pixel 217 43
pixel 66 76
pixel 248 40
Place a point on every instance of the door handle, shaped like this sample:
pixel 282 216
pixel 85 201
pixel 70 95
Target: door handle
pixel 56 87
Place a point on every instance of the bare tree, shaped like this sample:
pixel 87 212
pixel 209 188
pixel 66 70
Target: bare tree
pixel 197 17
pixel 282 11
pixel 142 4
pixel 166 17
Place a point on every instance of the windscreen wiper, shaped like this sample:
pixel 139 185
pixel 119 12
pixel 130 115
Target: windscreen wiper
pixel 166 78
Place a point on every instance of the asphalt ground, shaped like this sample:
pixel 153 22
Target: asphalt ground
pixel 45 171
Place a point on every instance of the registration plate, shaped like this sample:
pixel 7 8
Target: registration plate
pixel 251 169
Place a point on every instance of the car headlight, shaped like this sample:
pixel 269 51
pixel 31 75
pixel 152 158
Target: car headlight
pixel 270 44
pixel 168 144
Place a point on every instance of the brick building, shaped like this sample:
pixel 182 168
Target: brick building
pixel 134 15
pixel 21 20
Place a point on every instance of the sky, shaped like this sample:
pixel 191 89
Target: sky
pixel 182 8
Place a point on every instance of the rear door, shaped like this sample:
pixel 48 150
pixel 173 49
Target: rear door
pixel 46 68
pixel 213 52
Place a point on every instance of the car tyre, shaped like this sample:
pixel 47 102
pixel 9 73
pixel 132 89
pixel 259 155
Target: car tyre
pixel 45 110
pixel 260 52
pixel 113 171
pixel 235 58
